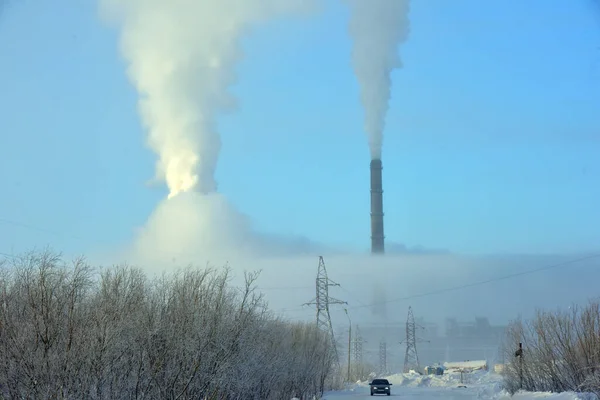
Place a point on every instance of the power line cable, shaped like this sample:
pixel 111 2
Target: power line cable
pixel 361 305
pixel 353 296
pixel 466 286
pixel 35 228
pixel 469 285
pixel 284 287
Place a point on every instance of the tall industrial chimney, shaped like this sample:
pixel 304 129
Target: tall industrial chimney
pixel 377 238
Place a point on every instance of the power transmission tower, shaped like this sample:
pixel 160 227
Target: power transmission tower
pixel 411 358
pixel 357 347
pixel 322 301
pixel 357 354
pixel 382 358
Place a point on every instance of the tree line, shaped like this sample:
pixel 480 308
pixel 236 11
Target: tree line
pixel 73 331
pixel 560 351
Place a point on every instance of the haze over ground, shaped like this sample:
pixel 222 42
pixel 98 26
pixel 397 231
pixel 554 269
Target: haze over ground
pixel 489 148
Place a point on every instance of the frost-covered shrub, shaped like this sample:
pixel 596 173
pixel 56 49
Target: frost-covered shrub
pixel 67 332
pixel 561 351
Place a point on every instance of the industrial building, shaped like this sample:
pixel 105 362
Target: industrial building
pixel 459 341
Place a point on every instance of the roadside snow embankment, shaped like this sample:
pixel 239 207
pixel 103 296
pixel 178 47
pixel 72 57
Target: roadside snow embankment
pixel 452 379
pixel 503 395
pixel 491 382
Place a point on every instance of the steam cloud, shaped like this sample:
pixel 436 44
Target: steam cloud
pixel 379 301
pixel 182 56
pixel 377 28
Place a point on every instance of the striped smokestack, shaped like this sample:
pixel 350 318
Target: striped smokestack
pixel 377 238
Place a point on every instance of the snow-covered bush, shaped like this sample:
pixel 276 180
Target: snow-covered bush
pixel 561 351
pixel 67 332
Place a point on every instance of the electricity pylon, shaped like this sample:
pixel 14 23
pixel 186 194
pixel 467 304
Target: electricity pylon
pixel 382 358
pixel 322 301
pixel 357 350
pixel 411 358
pixel 357 347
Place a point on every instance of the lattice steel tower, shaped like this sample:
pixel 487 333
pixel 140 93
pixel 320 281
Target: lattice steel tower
pixel 357 346
pixel 382 358
pixel 411 358
pixel 322 301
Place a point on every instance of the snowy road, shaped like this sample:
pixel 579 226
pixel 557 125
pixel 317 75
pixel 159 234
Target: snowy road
pixel 410 393
pixel 480 385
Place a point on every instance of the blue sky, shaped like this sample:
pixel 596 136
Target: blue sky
pixel 491 144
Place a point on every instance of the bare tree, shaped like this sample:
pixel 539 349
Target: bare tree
pixel 70 331
pixel 561 351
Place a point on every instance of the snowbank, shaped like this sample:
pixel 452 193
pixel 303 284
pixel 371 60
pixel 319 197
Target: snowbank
pixel 503 395
pixel 449 379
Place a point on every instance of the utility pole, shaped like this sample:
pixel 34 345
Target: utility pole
pixel 349 340
pixel 519 353
pixel 382 358
pixel 411 358
pixel 322 301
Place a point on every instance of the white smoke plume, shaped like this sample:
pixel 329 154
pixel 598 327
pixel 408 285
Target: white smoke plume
pixel 377 28
pixel 193 228
pixel 181 57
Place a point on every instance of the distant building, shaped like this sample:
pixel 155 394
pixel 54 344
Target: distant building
pixel 466 366
pixel 434 370
pixel 499 368
pixel 473 340
pixel 480 328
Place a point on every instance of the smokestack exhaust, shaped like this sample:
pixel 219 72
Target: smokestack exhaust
pixel 377 238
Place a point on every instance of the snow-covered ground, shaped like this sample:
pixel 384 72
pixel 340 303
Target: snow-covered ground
pixel 477 385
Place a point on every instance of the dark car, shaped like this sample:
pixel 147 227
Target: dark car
pixel 380 386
